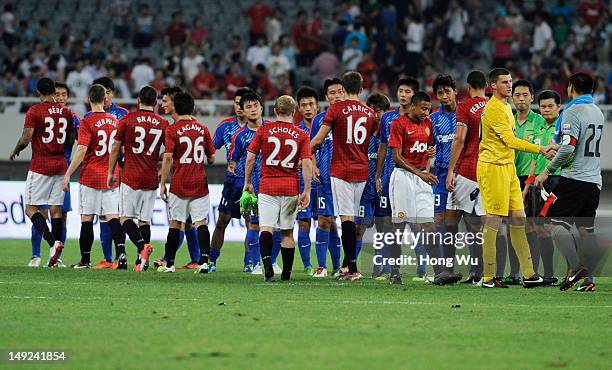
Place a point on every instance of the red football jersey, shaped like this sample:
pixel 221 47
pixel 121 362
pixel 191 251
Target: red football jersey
pixel 352 125
pixel 52 126
pixel 413 139
pixel 282 145
pixel 97 132
pixel 469 113
pixel 142 135
pixel 189 142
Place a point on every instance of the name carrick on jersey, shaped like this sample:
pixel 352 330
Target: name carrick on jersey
pixel 223 135
pixel 97 132
pixel 325 151
pixel 444 126
pixel 385 132
pixel 190 143
pixel 238 153
pixel 469 113
pixel 142 134
pixel 281 145
pixel 352 123
pixel 413 139
pixel 53 126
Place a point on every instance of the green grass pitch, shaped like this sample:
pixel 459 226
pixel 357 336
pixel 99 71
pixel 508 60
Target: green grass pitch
pixel 230 320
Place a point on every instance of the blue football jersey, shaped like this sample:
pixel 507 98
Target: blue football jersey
pixel 444 125
pixel 369 192
pixel 313 184
pixel 324 154
pixel 238 153
pixel 223 135
pixel 385 132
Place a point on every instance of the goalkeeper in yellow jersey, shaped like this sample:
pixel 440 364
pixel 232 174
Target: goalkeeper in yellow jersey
pixel 498 182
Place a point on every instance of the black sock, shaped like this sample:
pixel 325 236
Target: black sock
pixel 288 255
pixel 86 240
pixel 172 242
pixel 118 236
pixel 41 225
pixel 534 249
pixel 204 240
pixel 349 244
pixel 449 248
pixel 265 249
pixel 133 232
pixel 145 232
pixel 547 250
pixel 501 250
pixel 57 228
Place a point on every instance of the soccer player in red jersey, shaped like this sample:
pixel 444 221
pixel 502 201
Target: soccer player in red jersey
pixel 96 135
pixel 141 135
pixel 187 142
pixel 464 197
pixel 283 147
pixel 48 126
pixel 410 188
pixel 352 124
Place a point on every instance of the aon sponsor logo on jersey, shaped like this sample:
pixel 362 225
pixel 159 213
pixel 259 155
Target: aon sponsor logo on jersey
pixel 418 147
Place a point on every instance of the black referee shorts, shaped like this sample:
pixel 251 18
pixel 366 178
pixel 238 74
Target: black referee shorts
pixel 576 203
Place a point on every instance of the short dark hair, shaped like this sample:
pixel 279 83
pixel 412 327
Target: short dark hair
pixel 330 82
pixel 250 97
pixel 582 82
pixel 107 82
pixel 45 86
pixel 183 103
pixel 171 91
pixel 496 72
pixel 147 96
pixel 352 82
pixel 410 82
pixel 306 92
pixel 378 101
pixel 61 85
pixel 96 93
pixel 477 80
pixel 420 96
pixel 549 94
pixel 524 83
pixel 243 91
pixel 444 81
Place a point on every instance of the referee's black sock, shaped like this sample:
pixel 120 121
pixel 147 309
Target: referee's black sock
pixel 145 231
pixel 349 244
pixel 57 228
pixel 265 247
pixel 130 228
pixel 118 236
pixel 204 240
pixel 41 225
pixel 86 240
pixel 288 255
pixel 172 242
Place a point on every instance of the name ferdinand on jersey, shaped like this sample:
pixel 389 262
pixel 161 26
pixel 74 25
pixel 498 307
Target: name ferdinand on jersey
pixel 190 127
pixel 357 107
pixel 283 130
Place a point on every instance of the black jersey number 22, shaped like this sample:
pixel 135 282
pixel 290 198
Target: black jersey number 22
pixel 587 145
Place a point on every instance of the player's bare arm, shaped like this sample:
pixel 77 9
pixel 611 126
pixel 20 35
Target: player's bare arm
pixel 401 162
pixel 165 171
pixel 112 163
pixel 306 172
pixel 316 141
pixel 560 158
pixel 24 141
pixel 456 149
pixel 380 164
pixel 248 172
pixel 315 170
pixel 77 159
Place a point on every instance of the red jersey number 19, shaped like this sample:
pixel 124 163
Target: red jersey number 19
pixel 358 133
pixel 50 123
pixel 197 147
pixel 105 143
pixel 272 161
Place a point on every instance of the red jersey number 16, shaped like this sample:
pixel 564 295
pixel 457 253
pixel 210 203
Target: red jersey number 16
pixel 357 133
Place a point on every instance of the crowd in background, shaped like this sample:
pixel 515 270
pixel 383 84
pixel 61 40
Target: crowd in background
pixel 280 49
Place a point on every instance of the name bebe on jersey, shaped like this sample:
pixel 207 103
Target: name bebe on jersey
pixel 55 110
pixel 283 130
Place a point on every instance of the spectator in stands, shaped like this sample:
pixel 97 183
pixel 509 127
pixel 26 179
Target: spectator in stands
pixel 42 34
pixel 25 33
pixel 274 26
pixel 28 63
pixel 457 19
pixel 258 53
pixel 514 19
pixel 415 37
pixel 288 50
pixel 10 85
pixel 234 52
pixel 173 62
pixel 117 60
pixel 96 69
pixel 581 29
pixel 352 55
pixel 203 84
pixel 592 11
pixel 313 36
pixel 258 14
pixel 8 26
pixel 12 62
pixel 233 80
pixel 367 68
pixel 120 14
pixel 389 20
pixel 35 74
pixel 599 95
pixel 160 82
pixel 199 34
pixel 277 64
pixel 261 84
pixel 79 80
pixel 299 31
pixel 339 37
pixel 191 63
pixel 176 33
pixel 560 31
pixel 142 75
pixel 283 85
pixel 122 90
pixel 358 33
pixel 326 65
pixel 143 35
pixel 501 37
pixel 543 43
pixel 217 67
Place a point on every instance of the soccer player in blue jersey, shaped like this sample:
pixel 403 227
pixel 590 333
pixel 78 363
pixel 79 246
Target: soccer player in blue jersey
pixel 444 125
pixel 406 88
pixel 105 231
pixel 370 200
pixel 62 92
pixel 327 229
pixel 229 206
pixel 308 105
